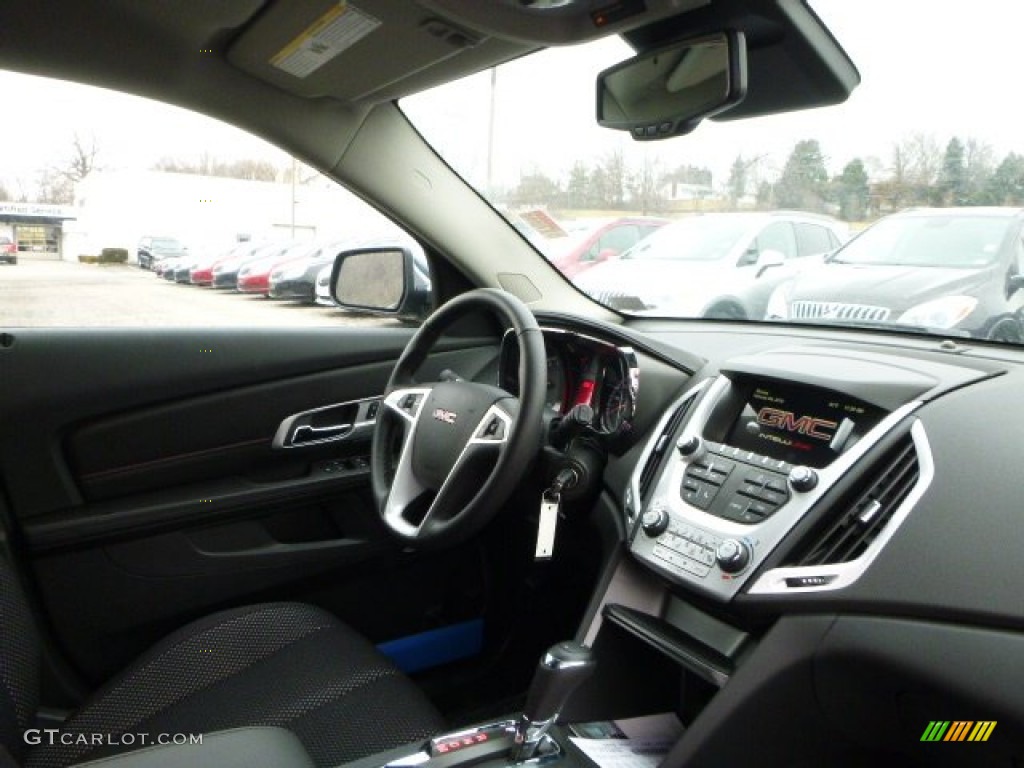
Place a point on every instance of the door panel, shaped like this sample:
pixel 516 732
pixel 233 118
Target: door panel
pixel 142 474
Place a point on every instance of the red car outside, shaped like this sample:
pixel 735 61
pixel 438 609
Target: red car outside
pixel 593 245
pixel 254 277
pixel 202 272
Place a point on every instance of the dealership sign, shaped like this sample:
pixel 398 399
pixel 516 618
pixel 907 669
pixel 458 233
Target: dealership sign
pixel 41 210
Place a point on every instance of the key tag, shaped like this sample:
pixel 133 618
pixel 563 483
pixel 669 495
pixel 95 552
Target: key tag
pixel 549 502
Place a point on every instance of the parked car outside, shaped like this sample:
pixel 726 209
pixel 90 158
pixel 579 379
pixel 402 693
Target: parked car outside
pixel 153 249
pixel 203 263
pixel 323 287
pixel 225 272
pixel 184 265
pixel 254 276
pixel 297 279
pixel 722 265
pixel 201 272
pixel 167 268
pixel 8 250
pixel 943 269
pixel 598 243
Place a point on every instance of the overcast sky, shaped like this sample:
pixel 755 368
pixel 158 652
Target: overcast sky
pixel 927 66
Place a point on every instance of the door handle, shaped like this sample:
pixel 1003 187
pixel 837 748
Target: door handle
pixel 306 433
pixel 341 421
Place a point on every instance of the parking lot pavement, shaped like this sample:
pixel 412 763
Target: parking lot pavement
pixel 58 293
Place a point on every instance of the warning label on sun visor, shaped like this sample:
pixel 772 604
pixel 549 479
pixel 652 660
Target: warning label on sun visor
pixel 340 28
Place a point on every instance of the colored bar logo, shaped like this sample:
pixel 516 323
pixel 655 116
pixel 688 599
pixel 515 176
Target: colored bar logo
pixel 958 730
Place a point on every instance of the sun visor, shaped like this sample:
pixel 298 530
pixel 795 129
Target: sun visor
pixel 360 52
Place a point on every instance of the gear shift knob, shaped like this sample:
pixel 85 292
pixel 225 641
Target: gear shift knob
pixel 560 672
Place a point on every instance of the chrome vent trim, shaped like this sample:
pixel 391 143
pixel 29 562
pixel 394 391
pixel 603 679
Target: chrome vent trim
pixel 850 534
pixel 897 490
pixel 647 467
pixel 834 310
pixel 662 444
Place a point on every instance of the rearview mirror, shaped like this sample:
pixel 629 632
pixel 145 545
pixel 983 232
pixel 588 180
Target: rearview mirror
pixel 371 279
pixel 668 91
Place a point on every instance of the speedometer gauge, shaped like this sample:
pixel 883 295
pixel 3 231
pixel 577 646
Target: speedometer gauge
pixel 616 408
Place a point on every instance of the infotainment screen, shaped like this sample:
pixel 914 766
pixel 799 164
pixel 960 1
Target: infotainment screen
pixel 800 425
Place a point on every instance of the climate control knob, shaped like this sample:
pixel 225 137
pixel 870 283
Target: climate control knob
pixel 654 521
pixel 803 479
pixel 732 555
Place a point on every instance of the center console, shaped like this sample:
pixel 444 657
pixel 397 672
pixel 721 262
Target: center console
pixel 738 461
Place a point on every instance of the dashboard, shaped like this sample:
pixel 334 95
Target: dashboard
pixel 816 522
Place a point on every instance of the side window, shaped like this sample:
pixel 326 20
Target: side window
pixel 178 226
pixel 777 236
pixel 591 253
pixel 619 239
pixel 813 240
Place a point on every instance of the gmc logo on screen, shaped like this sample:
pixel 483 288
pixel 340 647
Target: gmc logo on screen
pixel 819 429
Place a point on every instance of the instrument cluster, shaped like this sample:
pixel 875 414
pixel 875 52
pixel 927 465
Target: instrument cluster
pixel 581 371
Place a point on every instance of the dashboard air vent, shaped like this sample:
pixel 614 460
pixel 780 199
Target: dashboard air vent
pixel 870 507
pixel 663 444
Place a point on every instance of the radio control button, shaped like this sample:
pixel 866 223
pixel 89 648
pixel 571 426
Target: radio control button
pixel 803 479
pixel 654 521
pixel 733 556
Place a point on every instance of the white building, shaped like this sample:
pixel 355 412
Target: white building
pixel 115 208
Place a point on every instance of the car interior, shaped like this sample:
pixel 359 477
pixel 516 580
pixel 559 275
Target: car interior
pixel 448 544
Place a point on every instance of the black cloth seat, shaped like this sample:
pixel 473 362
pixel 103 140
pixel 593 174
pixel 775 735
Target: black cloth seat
pixel 275 664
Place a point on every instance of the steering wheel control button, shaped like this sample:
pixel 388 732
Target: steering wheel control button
pixel 410 403
pixel 803 479
pixel 690 446
pixel 732 555
pixel 655 521
pixel 494 429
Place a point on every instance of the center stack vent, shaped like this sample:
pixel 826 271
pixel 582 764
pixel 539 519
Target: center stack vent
pixel 866 511
pixel 663 444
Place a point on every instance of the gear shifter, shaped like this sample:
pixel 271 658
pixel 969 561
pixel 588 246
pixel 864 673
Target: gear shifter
pixel 559 673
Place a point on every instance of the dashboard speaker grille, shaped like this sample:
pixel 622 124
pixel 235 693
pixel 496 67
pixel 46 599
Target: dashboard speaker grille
pixel 663 444
pixel 872 504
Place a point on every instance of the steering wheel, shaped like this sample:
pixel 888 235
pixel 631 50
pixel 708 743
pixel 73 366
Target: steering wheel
pixel 447 454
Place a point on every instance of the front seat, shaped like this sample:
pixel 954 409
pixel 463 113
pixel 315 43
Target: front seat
pixel 277 664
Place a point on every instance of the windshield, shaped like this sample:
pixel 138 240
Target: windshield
pixel 955 241
pixel 923 130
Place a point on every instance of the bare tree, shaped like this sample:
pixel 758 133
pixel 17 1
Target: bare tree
pixel 82 161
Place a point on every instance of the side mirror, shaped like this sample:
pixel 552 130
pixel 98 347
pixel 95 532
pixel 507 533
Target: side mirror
pixel 668 91
pixel 769 259
pixel 1014 283
pixel 607 253
pixel 371 279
